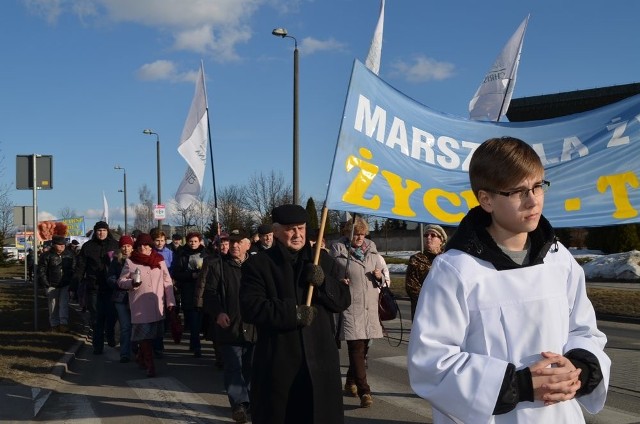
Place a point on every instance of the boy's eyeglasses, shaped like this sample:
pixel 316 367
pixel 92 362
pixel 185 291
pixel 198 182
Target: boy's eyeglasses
pixel 522 194
pixel 432 235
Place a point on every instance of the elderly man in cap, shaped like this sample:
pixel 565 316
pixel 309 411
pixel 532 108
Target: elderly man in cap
pixel 296 369
pixel 55 272
pixel 91 271
pixel 419 264
pixel 176 243
pixel 218 293
pixel 265 238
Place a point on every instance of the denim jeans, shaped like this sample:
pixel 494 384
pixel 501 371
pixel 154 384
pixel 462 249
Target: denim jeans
pixel 58 302
pixel 105 318
pixel 357 372
pixel 193 318
pixel 237 372
pixel 124 317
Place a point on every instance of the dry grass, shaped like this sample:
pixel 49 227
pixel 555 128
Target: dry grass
pixel 27 355
pixel 617 302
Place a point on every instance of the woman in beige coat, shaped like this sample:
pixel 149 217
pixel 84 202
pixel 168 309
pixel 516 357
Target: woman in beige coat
pixel 358 262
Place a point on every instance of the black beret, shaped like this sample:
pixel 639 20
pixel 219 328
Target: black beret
pixel 265 229
pixel 289 214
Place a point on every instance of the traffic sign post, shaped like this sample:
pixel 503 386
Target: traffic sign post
pixel 33 172
pixel 159 212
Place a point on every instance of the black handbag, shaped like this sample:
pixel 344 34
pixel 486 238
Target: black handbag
pixel 387 305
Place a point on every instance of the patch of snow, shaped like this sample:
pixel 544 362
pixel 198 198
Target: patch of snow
pixel 618 266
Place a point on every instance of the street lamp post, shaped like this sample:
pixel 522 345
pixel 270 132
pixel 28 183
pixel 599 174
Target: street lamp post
pixel 149 132
pixel 124 190
pixel 281 32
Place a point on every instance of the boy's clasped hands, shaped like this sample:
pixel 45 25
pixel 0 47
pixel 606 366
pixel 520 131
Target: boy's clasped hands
pixel 555 379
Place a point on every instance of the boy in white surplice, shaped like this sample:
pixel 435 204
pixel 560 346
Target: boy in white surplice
pixel 503 330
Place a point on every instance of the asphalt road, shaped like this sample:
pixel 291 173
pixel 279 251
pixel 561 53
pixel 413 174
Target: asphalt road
pixel 98 389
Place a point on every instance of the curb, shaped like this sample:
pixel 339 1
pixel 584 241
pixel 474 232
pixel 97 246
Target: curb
pixel 618 318
pixel 40 396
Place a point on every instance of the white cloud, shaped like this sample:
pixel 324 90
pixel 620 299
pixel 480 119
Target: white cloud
pixel 164 70
pixel 202 26
pixel 46 216
pixel 310 45
pixel 50 10
pixel 422 69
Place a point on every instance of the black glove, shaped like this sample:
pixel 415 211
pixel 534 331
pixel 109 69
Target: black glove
pixel 314 275
pixel 305 314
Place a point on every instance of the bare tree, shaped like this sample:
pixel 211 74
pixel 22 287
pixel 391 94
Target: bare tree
pixel 144 210
pixel 232 210
pixel 67 212
pixel 264 192
pixel 202 213
pixel 185 218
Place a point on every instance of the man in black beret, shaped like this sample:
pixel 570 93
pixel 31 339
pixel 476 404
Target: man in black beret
pixel 296 369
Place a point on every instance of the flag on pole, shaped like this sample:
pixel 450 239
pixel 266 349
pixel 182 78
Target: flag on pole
pixel 492 98
pixel 375 51
pixel 193 145
pixel 105 209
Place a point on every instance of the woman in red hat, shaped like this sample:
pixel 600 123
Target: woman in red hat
pixel 147 278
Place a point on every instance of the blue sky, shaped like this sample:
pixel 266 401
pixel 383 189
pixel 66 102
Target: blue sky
pixel 82 79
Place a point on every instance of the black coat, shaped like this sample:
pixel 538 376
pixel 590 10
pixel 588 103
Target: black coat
pixel 221 294
pixel 272 286
pixel 92 263
pixel 182 270
pixel 56 270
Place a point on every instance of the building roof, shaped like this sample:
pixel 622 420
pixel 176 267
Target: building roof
pixel 561 104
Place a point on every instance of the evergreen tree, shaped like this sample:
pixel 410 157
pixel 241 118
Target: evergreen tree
pixel 564 235
pixel 212 230
pixel 312 212
pixel 624 238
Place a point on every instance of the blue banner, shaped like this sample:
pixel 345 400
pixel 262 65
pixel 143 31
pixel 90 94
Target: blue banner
pixel 397 158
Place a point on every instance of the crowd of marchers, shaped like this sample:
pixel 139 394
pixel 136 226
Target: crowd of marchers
pixel 246 292
pixel 502 328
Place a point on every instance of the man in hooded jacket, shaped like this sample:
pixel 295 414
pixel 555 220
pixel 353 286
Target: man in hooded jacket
pixel 92 265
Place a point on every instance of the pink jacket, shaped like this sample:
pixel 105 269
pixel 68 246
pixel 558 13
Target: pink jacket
pixel 147 300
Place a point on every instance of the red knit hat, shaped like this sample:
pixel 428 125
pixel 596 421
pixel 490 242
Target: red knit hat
pixel 125 239
pixel 143 239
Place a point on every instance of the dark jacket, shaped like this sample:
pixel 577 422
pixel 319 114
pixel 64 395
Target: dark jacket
pixel 272 286
pixel 92 263
pixel 256 247
pixel 56 270
pixel 182 270
pixel 220 293
pixel 113 273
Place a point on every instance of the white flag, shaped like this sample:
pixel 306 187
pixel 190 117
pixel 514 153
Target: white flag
pixel 105 209
pixel 492 98
pixel 375 51
pixel 193 145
